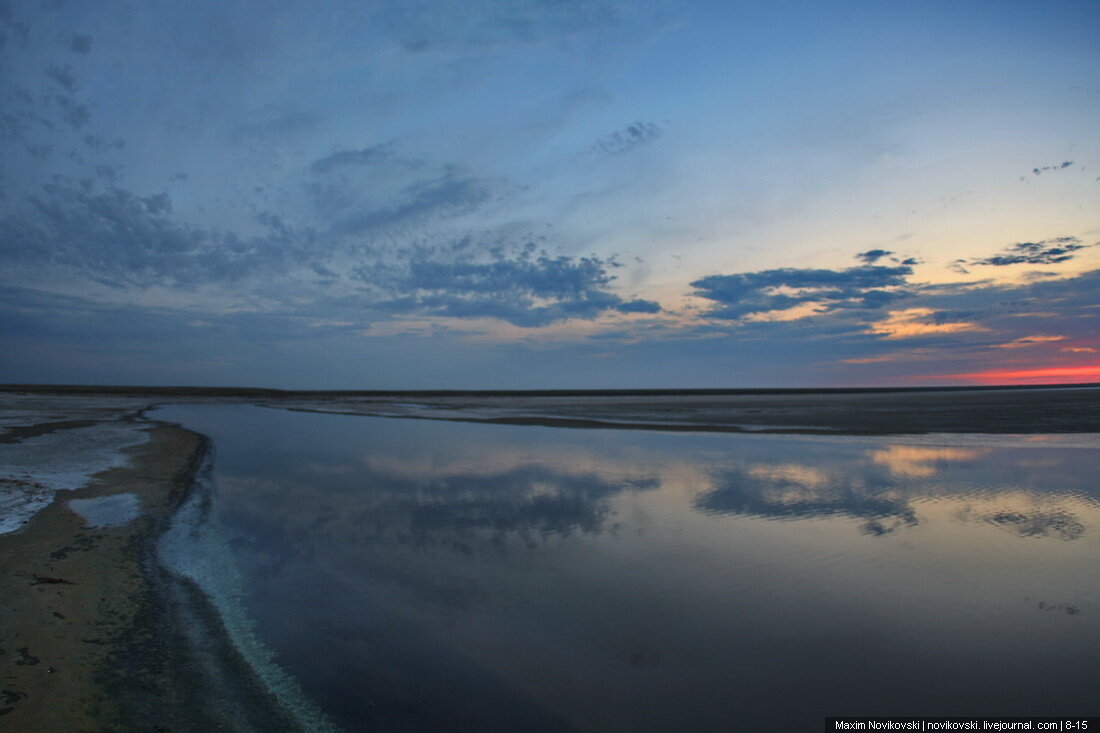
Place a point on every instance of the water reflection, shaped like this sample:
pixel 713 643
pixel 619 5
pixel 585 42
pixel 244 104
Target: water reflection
pixel 527 503
pixel 915 461
pixel 885 486
pixel 1053 523
pixel 434 576
pixel 764 491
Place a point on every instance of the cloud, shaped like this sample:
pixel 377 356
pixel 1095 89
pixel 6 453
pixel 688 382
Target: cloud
pixel 743 294
pixel 63 75
pixel 422 25
pixel 1028 341
pixel 917 322
pixel 453 191
pixel 76 114
pixel 116 236
pixel 1065 164
pixel 130 243
pixel 778 492
pixel 528 498
pixel 20 28
pixel 872 256
pixel 373 155
pixel 257 117
pixel 639 306
pixel 1058 524
pixel 526 289
pixel 81 43
pixel 1045 252
pixel 974 327
pixel 632 136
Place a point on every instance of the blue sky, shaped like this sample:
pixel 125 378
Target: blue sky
pixel 549 193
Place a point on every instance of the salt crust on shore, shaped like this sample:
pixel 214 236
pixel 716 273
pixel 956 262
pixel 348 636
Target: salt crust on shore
pixel 23 410
pixel 194 548
pixel 33 470
pixel 107 511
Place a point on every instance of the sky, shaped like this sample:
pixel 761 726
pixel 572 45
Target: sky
pixel 434 194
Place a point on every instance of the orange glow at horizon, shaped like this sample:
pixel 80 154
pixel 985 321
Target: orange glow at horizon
pixel 1048 375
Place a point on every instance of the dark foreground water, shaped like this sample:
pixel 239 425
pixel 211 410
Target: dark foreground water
pixel 427 576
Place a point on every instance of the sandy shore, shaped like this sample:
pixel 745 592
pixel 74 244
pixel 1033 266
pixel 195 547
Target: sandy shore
pixel 73 595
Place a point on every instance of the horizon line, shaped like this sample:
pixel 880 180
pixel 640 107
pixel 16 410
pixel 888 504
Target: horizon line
pixel 236 391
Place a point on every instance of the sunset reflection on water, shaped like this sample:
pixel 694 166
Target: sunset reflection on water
pixel 422 575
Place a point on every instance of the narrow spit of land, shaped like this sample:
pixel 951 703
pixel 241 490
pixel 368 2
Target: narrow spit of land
pixel 1032 409
pixel 94 633
pixel 835 412
pixel 89 635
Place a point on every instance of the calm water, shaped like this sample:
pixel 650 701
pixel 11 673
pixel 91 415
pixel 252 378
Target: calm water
pixel 430 576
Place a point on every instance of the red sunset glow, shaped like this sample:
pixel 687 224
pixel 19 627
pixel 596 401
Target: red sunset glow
pixel 1049 375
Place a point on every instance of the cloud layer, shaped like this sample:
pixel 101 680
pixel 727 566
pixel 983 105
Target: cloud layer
pixel 568 188
pixel 743 294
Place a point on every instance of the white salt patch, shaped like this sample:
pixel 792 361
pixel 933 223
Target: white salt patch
pixel 25 410
pixel 107 511
pixel 31 471
pixel 19 501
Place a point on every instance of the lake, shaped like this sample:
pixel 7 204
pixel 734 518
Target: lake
pixel 416 575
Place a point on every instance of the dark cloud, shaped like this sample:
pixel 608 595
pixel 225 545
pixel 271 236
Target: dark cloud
pixel 81 43
pixel 742 294
pixel 639 306
pixel 76 114
pixel 71 320
pixel 1045 252
pixel 1070 298
pixel 125 241
pixel 120 237
pixel 632 136
pixel 97 143
pixel 452 192
pixel 20 28
pixel 872 256
pixel 63 75
pixel 423 25
pixel 107 173
pixel 373 155
pixel 526 288
pixel 1065 164
pixel 213 92
pixel 995 314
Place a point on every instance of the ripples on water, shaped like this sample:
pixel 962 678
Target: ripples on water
pixel 418 575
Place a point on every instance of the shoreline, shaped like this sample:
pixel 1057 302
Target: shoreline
pixel 97 634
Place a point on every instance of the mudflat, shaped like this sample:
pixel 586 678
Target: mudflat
pixel 852 412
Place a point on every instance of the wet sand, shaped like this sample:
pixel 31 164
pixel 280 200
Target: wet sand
pixel 96 635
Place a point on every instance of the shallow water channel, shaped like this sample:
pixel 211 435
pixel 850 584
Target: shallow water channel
pixel 415 575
